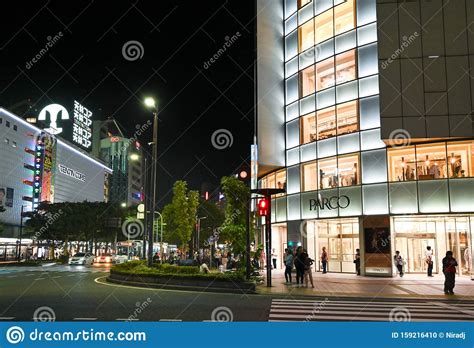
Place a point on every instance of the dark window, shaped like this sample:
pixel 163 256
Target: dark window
pixel 1 120
pixel 7 123
pixel 15 127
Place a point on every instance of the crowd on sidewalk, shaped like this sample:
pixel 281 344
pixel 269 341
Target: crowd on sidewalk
pixel 302 262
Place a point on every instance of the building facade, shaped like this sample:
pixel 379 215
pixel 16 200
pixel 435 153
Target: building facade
pixel 126 158
pixel 37 166
pixel 365 119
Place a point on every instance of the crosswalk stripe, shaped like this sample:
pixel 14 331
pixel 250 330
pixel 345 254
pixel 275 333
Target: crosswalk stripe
pixel 344 310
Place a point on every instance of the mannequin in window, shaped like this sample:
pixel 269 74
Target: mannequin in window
pixel 409 173
pixel 434 171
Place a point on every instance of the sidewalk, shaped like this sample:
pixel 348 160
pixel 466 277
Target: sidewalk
pixel 351 285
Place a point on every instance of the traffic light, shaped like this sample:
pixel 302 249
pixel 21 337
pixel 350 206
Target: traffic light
pixel 263 207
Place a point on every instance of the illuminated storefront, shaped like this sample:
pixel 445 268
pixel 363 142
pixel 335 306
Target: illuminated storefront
pixel 348 187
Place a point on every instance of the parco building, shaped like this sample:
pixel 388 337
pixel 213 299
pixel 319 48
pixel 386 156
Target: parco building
pixel 365 119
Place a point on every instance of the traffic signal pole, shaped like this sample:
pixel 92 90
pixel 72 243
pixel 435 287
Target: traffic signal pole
pixel 268 241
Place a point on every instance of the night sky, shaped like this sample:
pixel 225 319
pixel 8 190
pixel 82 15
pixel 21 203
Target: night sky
pixel 196 97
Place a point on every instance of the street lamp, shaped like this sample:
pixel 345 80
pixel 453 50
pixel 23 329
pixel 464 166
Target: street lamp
pixel 123 205
pixel 134 157
pixel 150 103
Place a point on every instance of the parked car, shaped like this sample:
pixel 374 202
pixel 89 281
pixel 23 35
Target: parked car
pixel 120 259
pixel 104 258
pixel 82 259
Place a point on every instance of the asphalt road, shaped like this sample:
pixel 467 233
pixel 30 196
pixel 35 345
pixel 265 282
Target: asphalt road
pixel 68 293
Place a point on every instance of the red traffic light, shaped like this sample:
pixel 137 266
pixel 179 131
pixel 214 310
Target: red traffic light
pixel 263 207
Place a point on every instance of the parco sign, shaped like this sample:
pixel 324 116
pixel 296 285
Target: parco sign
pixel 331 203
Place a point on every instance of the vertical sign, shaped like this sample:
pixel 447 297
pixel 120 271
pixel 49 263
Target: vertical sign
pixel 253 172
pixel 82 126
pixel 49 165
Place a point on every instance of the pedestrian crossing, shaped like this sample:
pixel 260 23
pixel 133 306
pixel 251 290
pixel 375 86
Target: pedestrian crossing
pixel 365 310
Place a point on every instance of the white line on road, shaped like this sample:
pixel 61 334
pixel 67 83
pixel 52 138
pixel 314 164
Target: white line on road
pixel 85 319
pixel 55 277
pixel 170 320
pixel 126 319
pixel 71 275
pixel 40 278
pixel 12 276
pixel 7 318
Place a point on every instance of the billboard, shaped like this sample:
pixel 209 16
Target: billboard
pixel 71 122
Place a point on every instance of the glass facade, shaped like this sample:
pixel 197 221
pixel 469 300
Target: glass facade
pixel 334 150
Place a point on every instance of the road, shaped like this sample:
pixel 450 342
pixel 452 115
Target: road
pixel 67 293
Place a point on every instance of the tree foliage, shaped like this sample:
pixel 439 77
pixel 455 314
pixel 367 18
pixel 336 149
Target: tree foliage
pixel 233 230
pixel 214 219
pixel 180 215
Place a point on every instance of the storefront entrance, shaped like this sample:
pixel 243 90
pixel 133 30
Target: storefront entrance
pixel 413 234
pixel 414 248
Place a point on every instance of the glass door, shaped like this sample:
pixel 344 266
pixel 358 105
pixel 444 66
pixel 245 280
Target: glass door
pixel 416 255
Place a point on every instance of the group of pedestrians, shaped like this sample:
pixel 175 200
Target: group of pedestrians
pixel 302 263
pixel 449 267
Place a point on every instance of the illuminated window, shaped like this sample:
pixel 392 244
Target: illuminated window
pixel 326 123
pixel 308 128
pixel 345 66
pixel 402 163
pixel 306 81
pixel 281 179
pixel 344 16
pixel 271 181
pixel 348 170
pixel 309 177
pixel 431 161
pixel 324 24
pixel 302 3
pixel 327 172
pixel 306 36
pixel 325 74
pixel 347 117
pixel 461 160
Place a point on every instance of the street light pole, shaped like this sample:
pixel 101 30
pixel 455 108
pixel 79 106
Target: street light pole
pixel 145 190
pixel 21 232
pixel 151 103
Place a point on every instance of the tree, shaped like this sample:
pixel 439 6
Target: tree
pixel 180 215
pixel 233 231
pixel 214 219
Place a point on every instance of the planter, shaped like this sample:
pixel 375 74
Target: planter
pixel 190 283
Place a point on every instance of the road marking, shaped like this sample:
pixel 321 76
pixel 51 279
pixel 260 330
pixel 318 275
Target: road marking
pixel 55 277
pixel 85 319
pixel 170 320
pixel 126 319
pixel 7 318
pixel 12 276
pixel 29 275
pixel 40 278
pixel 71 275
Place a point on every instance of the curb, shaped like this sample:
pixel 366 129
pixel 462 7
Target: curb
pixel 179 287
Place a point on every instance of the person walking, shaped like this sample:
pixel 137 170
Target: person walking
pixel 308 262
pixel 398 262
pixel 300 266
pixel 324 260
pixel 357 261
pixel 274 258
pixel 429 260
pixel 449 270
pixel 289 259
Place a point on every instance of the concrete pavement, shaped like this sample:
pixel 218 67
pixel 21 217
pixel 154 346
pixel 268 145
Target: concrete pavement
pixel 351 285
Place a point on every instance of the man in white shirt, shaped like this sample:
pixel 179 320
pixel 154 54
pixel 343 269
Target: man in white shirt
pixel 429 260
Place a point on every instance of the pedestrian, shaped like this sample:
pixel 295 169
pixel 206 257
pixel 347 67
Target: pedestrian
pixel 308 262
pixel 357 261
pixel 398 262
pixel 230 260
pixel 324 260
pixel 274 258
pixel 300 266
pixel 449 270
pixel 288 265
pixel 429 260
